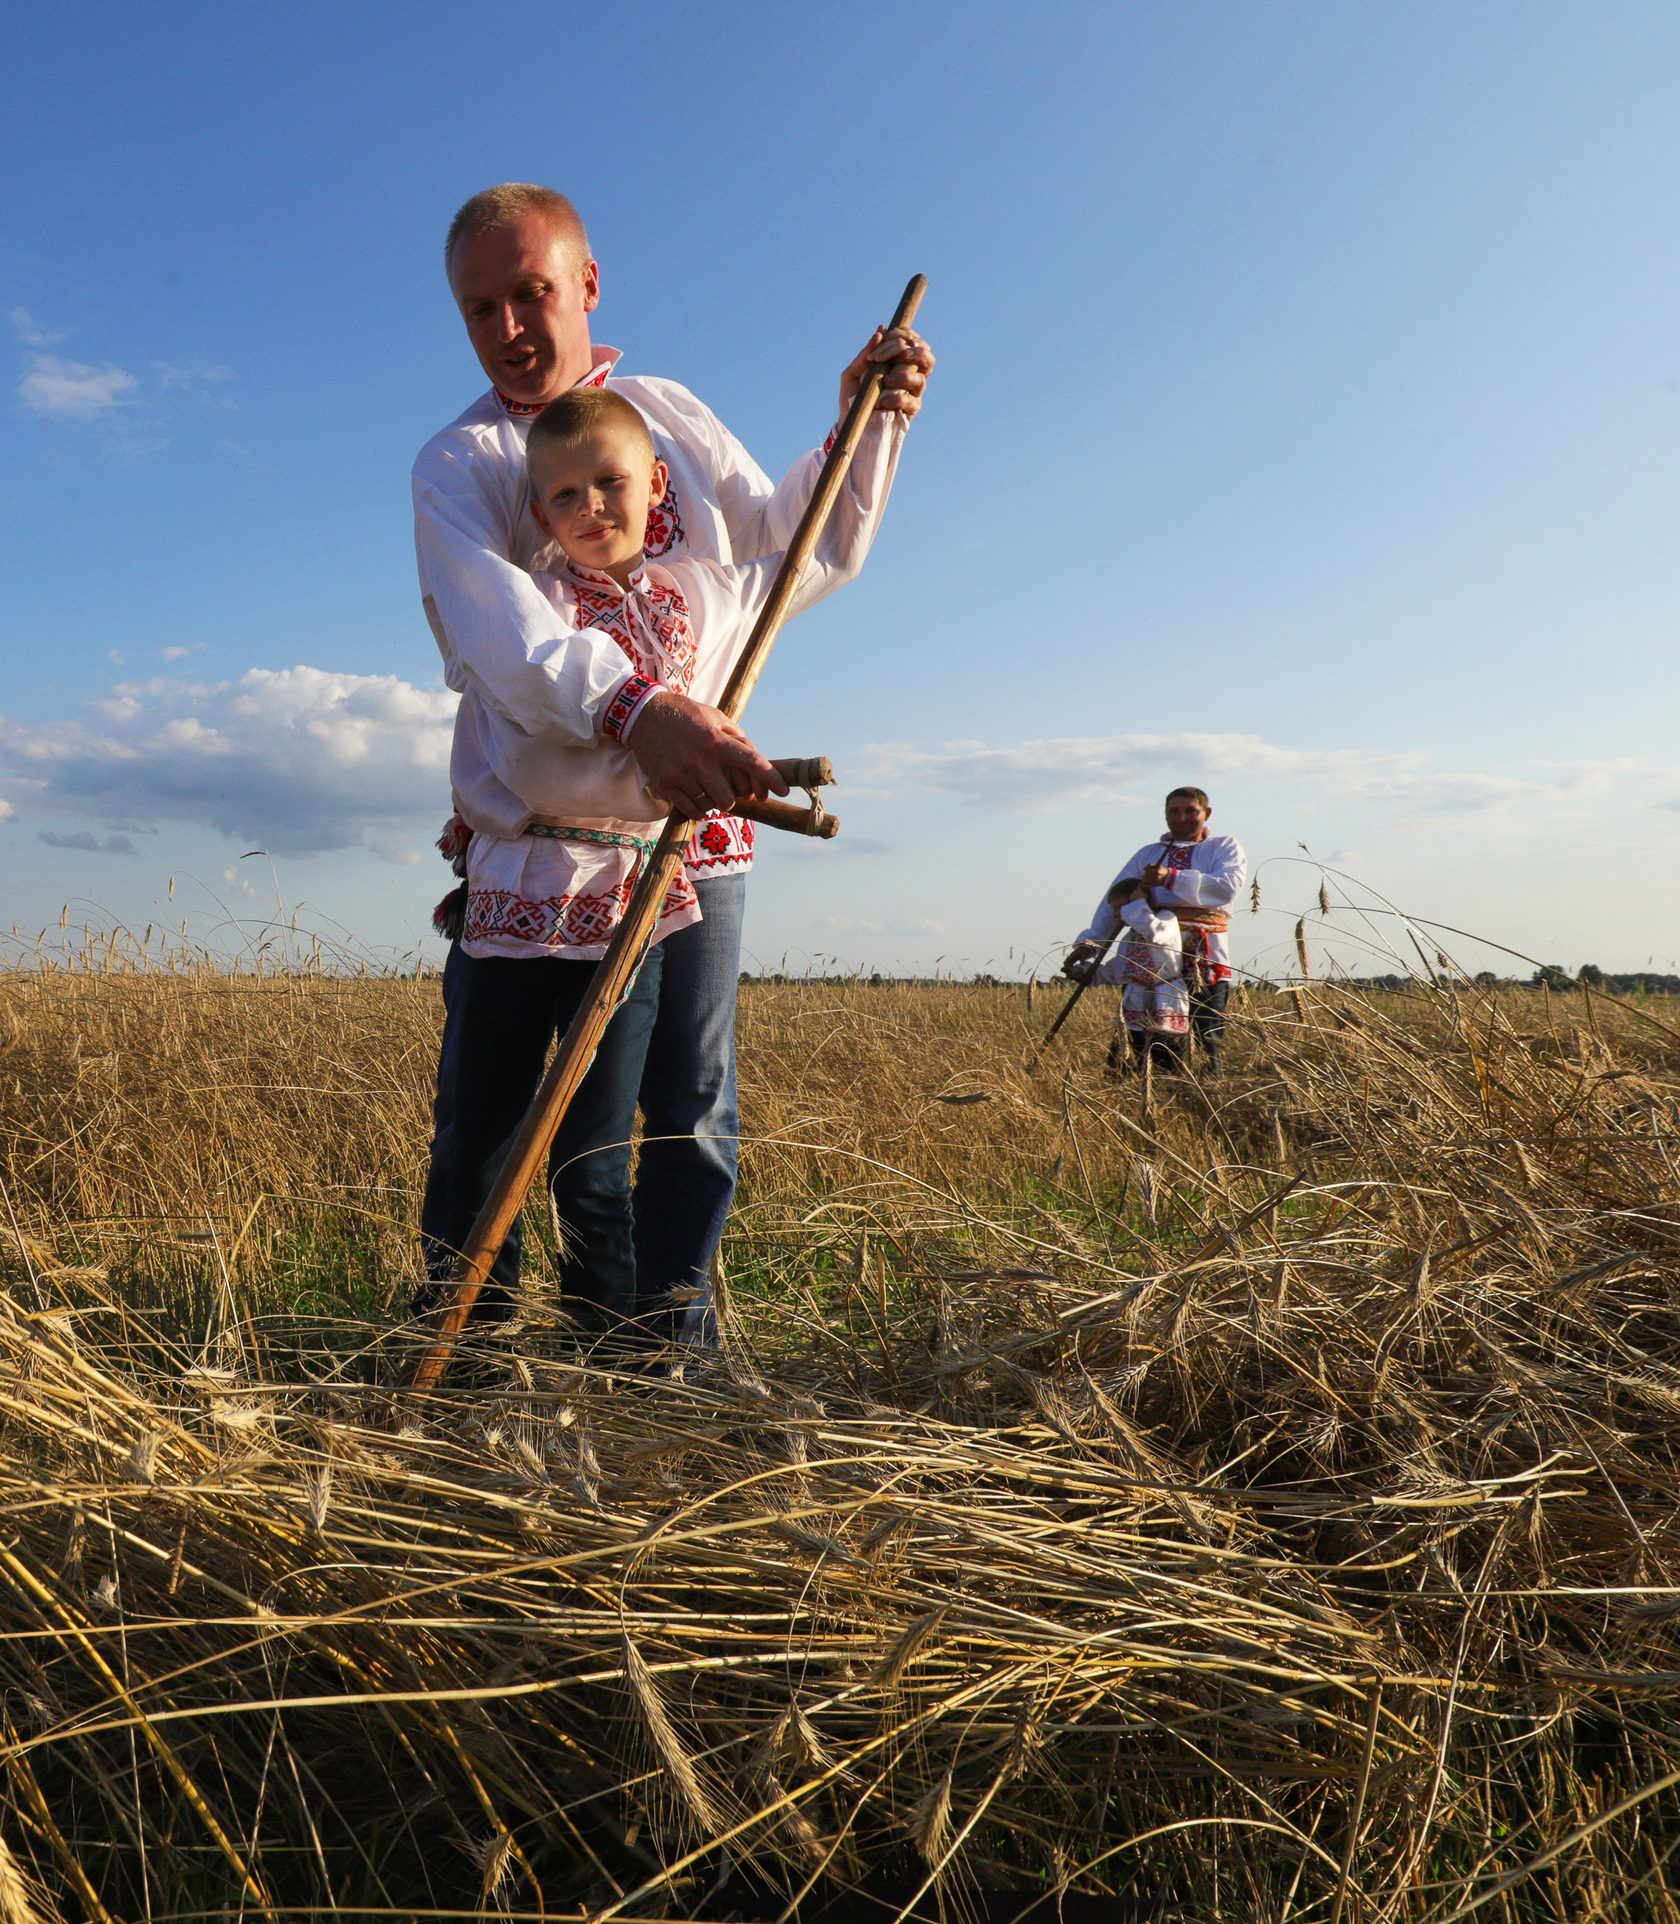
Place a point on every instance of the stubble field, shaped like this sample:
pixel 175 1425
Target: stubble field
pixel 1257 1502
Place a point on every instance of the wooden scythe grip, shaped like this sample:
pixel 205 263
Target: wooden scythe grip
pixel 805 771
pixel 617 968
pixel 790 816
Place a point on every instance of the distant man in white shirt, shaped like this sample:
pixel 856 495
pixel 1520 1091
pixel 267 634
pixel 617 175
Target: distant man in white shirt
pixel 1196 877
pixel 526 283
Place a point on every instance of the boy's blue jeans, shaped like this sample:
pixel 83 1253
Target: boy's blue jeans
pixel 685 1180
pixel 500 1015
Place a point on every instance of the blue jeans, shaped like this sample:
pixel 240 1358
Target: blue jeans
pixel 500 1016
pixel 685 1180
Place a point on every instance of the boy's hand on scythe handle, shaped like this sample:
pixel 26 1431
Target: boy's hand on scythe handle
pixel 694 758
pixel 909 363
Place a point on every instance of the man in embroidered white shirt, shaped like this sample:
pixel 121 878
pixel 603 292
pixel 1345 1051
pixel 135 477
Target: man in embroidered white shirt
pixel 525 283
pixel 1195 876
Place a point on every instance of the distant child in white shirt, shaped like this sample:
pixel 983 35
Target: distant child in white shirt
pixel 1149 967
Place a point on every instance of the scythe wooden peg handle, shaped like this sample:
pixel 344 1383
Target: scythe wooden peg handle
pixel 790 816
pixel 805 771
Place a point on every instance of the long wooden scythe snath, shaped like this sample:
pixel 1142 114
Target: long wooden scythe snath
pixel 617 968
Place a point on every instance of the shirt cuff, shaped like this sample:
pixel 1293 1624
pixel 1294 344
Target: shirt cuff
pixel 625 706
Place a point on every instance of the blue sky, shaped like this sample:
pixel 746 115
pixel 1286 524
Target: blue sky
pixel 1305 425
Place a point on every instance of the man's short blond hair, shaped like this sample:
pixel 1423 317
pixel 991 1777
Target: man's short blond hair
pixel 578 412
pixel 502 206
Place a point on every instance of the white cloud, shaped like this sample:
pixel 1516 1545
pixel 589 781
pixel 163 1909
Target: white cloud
pixel 175 654
pixel 6 810
pixel 299 759
pixel 170 376
pixel 73 390
pixel 1087 771
pixel 30 331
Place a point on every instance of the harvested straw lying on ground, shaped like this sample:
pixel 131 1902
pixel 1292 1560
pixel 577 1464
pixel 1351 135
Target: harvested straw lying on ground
pixel 1261 1505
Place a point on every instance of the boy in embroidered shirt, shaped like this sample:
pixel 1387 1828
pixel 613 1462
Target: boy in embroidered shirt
pixel 547 890
pixel 1149 966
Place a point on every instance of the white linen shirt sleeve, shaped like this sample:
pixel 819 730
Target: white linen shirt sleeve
pixel 497 632
pixel 1217 885
pixel 839 556
pixel 1159 930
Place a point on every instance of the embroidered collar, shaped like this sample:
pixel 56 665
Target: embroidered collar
pixel 595 582
pixel 606 359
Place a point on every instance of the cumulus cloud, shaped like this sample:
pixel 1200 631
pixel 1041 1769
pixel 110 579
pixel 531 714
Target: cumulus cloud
pixel 302 760
pixel 1085 771
pixel 74 390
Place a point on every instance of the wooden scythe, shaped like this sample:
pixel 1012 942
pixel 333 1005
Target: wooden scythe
pixel 1066 1009
pixel 617 968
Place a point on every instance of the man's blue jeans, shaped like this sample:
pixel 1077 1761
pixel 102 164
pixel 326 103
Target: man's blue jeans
pixel 685 1180
pixel 500 1016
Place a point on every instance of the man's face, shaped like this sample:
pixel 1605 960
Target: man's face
pixel 1186 818
pixel 592 495
pixel 526 304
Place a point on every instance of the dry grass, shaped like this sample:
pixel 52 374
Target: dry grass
pixel 1258 1507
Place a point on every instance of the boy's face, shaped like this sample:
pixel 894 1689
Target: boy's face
pixel 592 496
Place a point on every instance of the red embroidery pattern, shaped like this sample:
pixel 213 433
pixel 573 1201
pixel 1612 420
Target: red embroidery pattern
pixel 665 527
pixel 623 705
pixel 1199 964
pixel 718 840
pixel 562 921
pixel 650 623
pixel 1137 968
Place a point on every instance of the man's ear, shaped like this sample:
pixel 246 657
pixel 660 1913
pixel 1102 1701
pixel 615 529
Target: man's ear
pixel 658 482
pixel 591 278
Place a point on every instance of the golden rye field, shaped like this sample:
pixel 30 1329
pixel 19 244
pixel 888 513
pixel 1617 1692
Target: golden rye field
pixel 1260 1507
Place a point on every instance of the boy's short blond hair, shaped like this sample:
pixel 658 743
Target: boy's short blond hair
pixel 579 412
